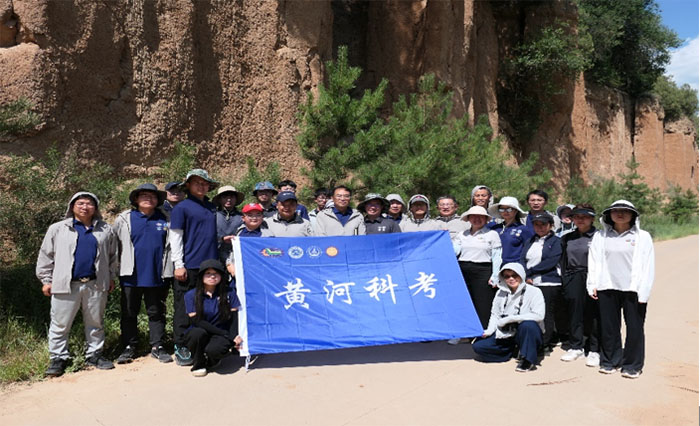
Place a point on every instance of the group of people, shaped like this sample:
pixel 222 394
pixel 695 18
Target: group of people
pixel 535 278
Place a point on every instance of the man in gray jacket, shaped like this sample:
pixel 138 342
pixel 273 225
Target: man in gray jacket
pixel 287 222
pixel 76 265
pixel 340 219
pixel 448 217
pixel 144 263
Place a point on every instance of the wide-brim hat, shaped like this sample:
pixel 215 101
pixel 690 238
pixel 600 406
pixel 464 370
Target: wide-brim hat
pixel 228 188
pixel 133 195
pixel 261 186
pixel 476 210
pixel 370 197
pixel 204 175
pixel 211 264
pixel 507 202
pixel 619 204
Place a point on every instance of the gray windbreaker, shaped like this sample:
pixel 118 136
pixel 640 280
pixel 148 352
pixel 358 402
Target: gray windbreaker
pixel 54 264
pixel 122 230
pixel 526 303
pixel 327 224
pixel 409 224
pixel 299 227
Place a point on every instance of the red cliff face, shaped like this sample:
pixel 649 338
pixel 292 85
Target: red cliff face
pixel 121 82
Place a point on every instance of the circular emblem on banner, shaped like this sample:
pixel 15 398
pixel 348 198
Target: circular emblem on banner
pixel 314 251
pixel 295 252
pixel 332 251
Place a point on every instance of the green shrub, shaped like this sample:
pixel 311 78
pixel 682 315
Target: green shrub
pixel 17 118
pixel 175 167
pixel 418 148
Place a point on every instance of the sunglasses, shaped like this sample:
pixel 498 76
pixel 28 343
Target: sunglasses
pixel 506 210
pixel 507 275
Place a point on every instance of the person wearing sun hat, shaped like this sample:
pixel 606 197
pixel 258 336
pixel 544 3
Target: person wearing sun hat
pixel 479 253
pixel 145 264
pixel 192 240
pixel 228 218
pixel 375 222
pixel 396 209
pixel 419 218
pixel 620 277
pixel 263 193
pixel 516 321
pixel 512 231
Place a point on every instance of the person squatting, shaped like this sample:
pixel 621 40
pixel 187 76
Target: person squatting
pixel 536 279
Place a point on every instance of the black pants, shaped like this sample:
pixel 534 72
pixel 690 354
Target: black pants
pixel 552 299
pixel 154 298
pixel 206 347
pixel 631 358
pixel 584 316
pixel 181 320
pixel 477 275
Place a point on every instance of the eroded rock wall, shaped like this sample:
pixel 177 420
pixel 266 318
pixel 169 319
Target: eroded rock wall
pixel 121 81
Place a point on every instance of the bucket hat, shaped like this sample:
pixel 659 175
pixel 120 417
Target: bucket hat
pixel 204 175
pixel 373 196
pixel 146 187
pixel 260 186
pixel 228 188
pixel 507 202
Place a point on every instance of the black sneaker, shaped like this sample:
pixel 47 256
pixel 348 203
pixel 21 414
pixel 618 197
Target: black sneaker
pixel 99 361
pixel 127 356
pixel 161 354
pixel 183 356
pixel 57 367
pixel 524 365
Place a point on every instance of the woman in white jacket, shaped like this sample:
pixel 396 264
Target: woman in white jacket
pixel 517 320
pixel 620 277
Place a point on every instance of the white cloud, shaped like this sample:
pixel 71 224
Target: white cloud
pixel 684 64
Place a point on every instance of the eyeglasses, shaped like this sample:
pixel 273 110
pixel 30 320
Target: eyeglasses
pixel 506 210
pixel 342 196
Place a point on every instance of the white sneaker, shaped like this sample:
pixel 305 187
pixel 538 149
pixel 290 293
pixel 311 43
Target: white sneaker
pixel 572 355
pixel 453 341
pixel 200 372
pixel 593 359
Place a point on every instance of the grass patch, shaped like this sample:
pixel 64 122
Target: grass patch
pixel 664 228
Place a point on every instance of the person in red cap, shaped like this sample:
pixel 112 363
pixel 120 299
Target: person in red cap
pixel 253 226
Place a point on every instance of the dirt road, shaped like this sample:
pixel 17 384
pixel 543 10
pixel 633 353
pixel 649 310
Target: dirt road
pixel 426 384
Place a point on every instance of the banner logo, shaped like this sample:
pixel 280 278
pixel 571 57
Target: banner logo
pixel 296 252
pixel 314 251
pixel 271 252
pixel 332 251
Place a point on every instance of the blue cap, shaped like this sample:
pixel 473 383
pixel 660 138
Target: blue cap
pixel 286 195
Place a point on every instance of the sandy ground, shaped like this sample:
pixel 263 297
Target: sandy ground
pixel 426 384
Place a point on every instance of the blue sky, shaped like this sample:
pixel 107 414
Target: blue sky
pixel 682 16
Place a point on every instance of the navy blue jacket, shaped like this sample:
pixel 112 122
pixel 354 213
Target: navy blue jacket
pixel 551 255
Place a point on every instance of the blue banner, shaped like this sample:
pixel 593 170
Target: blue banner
pixel 310 293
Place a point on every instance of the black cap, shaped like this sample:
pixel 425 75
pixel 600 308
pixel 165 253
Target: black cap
pixel 543 217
